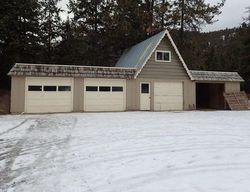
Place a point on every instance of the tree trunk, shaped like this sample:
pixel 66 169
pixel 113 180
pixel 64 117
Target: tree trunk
pixel 49 34
pixel 162 16
pixel 182 24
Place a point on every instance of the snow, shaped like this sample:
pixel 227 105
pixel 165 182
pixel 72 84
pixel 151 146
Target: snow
pixel 126 152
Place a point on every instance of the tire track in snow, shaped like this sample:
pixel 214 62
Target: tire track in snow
pixel 140 151
pixel 15 127
pixel 131 183
pixel 51 159
pixel 6 175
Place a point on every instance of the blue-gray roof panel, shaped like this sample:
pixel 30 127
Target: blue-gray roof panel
pixel 136 56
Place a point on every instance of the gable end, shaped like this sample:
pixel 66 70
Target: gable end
pixel 166 43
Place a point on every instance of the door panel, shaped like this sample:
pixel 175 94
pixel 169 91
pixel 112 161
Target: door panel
pixel 145 96
pixel 42 101
pixel 168 96
pixel 104 95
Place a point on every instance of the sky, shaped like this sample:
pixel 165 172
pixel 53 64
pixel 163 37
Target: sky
pixel 231 16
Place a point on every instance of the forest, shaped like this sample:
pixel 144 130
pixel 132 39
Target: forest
pixel 98 31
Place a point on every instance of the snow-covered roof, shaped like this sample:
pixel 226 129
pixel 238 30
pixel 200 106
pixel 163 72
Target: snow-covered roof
pixel 216 76
pixel 24 69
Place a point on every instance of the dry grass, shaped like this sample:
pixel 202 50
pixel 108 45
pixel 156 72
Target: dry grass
pixel 4 102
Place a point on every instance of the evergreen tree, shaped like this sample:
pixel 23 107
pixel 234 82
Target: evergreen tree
pixel 245 66
pixel 71 49
pixel 193 14
pixel 129 24
pixel 88 21
pixel 50 27
pixel 19 29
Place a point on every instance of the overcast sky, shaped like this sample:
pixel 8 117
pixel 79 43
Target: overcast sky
pixel 231 16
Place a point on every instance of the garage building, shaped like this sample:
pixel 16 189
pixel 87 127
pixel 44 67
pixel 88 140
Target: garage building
pixel 151 75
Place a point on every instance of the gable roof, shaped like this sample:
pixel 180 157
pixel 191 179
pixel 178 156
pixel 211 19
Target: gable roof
pixel 216 76
pixel 51 70
pixel 138 55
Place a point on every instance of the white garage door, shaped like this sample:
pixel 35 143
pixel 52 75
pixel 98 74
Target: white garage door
pixel 168 96
pixel 48 94
pixel 104 95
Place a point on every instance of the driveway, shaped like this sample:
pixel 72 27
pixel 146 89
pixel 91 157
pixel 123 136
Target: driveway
pixel 126 152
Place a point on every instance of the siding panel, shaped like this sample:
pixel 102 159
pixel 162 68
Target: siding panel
pixel 132 95
pixel 189 91
pixel 232 87
pixel 78 94
pixel 17 94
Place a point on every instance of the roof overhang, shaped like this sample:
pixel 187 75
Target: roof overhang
pixel 215 76
pixel 52 70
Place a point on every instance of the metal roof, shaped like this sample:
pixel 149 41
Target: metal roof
pixel 139 54
pixel 51 70
pixel 216 76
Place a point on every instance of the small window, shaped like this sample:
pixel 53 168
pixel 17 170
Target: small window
pixel 49 88
pixel 91 88
pixel 166 56
pixel 117 89
pixel 35 88
pixel 163 56
pixel 158 56
pixel 104 89
pixel 64 88
pixel 144 88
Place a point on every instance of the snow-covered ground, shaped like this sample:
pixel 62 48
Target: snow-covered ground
pixel 126 152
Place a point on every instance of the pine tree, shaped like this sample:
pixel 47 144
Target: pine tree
pixel 245 65
pixel 50 27
pixel 89 28
pixel 193 14
pixel 19 29
pixel 70 50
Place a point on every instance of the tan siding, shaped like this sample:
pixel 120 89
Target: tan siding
pixel 17 94
pixel 232 87
pixel 132 95
pixel 189 91
pixel 173 70
pixel 78 94
pixel 152 95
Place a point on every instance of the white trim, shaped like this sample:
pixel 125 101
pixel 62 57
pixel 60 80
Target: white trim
pixel 80 66
pixel 176 50
pixel 149 55
pixel 162 51
pixel 179 55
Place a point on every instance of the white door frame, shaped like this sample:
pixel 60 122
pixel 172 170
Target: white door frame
pixel 145 98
